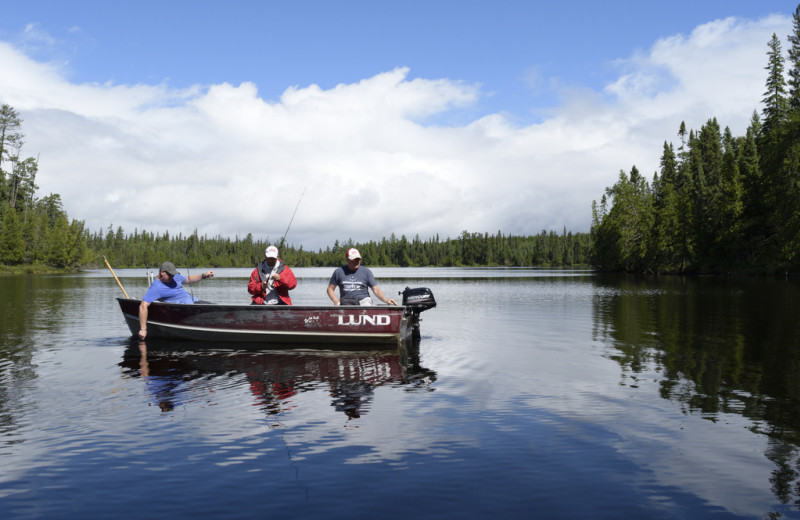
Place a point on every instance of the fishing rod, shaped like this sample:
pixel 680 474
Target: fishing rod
pixel 283 239
pixel 148 272
pixel 186 260
pixel 293 214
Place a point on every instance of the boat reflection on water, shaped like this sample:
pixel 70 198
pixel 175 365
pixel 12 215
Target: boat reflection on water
pixel 176 373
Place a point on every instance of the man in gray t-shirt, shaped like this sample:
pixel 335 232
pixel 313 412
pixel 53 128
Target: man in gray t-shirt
pixel 354 282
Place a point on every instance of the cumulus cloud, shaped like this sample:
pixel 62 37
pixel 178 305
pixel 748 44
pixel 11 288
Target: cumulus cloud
pixel 222 160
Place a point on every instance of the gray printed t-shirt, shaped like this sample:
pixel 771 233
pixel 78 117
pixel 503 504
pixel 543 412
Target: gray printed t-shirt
pixel 353 284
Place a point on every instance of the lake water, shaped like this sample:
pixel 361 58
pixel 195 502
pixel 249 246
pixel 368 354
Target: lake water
pixel 531 394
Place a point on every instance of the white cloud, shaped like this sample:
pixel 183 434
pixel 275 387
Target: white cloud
pixel 223 160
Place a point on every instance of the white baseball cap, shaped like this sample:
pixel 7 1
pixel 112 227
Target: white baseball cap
pixel 353 253
pixel 271 252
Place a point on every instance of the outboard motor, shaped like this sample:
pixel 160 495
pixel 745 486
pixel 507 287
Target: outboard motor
pixel 415 301
pixel 418 299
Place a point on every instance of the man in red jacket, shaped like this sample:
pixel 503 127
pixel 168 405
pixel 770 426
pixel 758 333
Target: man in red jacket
pixel 271 280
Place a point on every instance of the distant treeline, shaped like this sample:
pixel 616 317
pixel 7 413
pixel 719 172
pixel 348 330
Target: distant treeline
pixel 469 249
pixel 720 204
pixel 37 232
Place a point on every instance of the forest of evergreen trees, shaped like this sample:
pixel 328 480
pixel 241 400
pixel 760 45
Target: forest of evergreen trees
pixel 33 231
pixel 719 204
pixel 469 249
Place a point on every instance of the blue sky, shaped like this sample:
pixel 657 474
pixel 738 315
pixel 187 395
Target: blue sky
pixel 513 49
pixel 510 115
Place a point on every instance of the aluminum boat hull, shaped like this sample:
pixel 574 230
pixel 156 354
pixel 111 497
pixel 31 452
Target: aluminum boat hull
pixel 273 324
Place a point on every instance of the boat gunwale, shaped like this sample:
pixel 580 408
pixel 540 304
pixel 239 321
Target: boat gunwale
pixel 353 308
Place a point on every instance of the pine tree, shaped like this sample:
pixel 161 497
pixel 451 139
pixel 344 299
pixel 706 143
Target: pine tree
pixel 22 182
pixel 10 139
pixel 731 194
pixel 753 211
pixel 794 63
pixel 787 214
pixel 622 237
pixel 774 142
pixel 707 155
pixel 775 96
pixel 666 233
pixel 12 245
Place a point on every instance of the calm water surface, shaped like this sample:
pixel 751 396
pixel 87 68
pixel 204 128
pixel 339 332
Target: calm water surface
pixel 536 394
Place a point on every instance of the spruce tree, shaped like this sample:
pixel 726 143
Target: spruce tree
pixel 775 96
pixel 666 240
pixel 794 63
pixel 10 140
pixel 12 245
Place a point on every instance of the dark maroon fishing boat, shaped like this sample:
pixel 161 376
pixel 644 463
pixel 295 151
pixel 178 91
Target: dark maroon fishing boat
pixel 284 324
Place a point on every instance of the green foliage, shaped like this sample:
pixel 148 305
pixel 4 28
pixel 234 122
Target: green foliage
pixel 12 245
pixel 794 62
pixel 10 141
pixel 626 228
pixel 722 204
pixel 469 249
pixel 775 102
pixel 35 235
pixel 46 236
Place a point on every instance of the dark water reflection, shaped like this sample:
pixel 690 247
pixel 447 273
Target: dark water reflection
pixel 530 394
pixel 721 346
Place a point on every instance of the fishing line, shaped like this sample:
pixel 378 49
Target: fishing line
pixel 298 477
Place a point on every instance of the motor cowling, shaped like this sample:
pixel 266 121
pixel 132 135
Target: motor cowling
pixel 418 299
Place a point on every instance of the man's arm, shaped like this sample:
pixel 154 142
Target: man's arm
pixel 332 293
pixel 379 293
pixel 197 277
pixel 285 279
pixel 254 286
pixel 143 310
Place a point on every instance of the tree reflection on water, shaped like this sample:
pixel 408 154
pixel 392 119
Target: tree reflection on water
pixel 721 346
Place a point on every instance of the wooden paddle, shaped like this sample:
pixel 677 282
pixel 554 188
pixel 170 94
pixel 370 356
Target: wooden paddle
pixel 115 277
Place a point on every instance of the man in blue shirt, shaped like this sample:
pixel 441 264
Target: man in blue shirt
pixel 167 287
pixel 354 282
